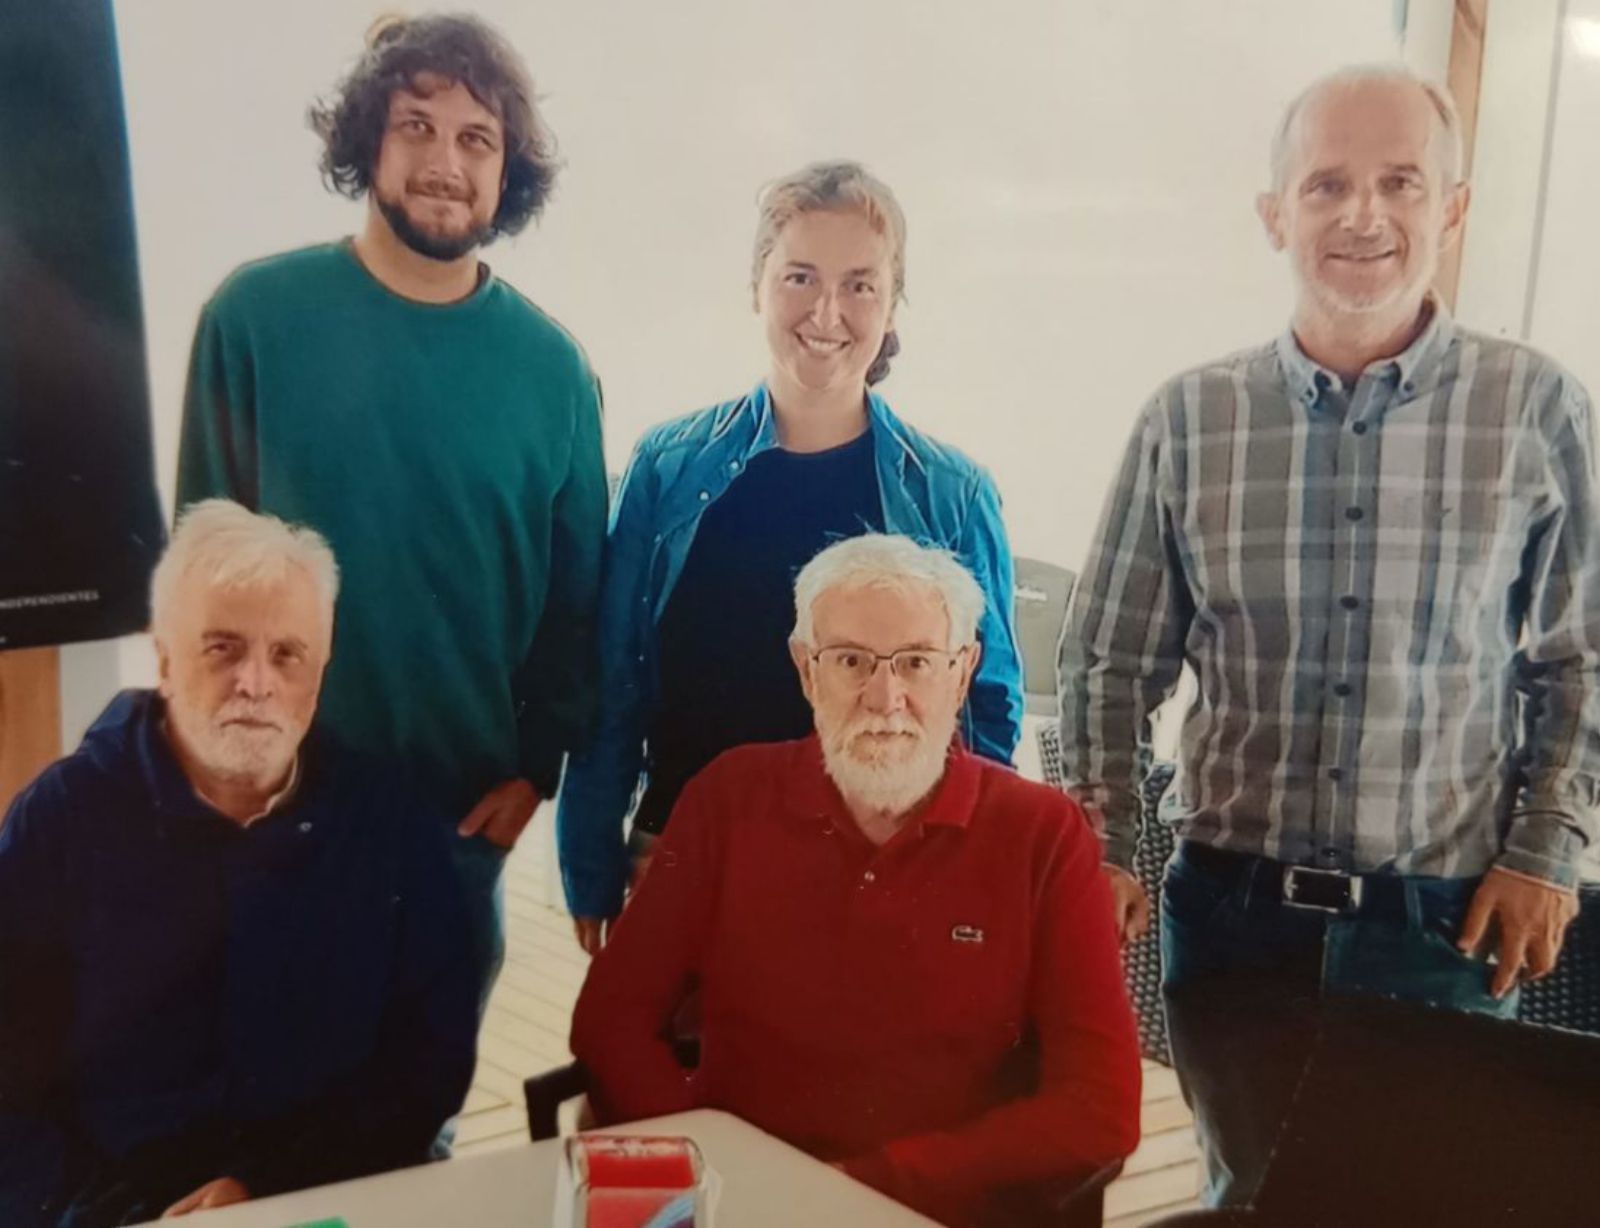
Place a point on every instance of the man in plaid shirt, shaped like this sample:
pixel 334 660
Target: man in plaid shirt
pixel 1373 541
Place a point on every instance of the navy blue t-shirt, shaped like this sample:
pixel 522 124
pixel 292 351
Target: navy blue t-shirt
pixel 726 676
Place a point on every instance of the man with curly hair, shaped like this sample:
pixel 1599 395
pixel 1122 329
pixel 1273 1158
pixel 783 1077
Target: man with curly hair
pixel 439 429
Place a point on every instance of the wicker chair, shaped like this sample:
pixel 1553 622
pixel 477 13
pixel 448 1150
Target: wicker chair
pixel 1569 998
pixel 1141 960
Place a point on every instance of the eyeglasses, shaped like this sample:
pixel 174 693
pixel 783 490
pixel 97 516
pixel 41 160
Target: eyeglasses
pixel 915 667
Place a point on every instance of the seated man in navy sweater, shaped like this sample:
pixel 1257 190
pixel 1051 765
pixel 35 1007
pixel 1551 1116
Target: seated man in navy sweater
pixel 230 954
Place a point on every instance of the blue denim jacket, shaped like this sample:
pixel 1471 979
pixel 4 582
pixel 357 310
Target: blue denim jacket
pixel 930 492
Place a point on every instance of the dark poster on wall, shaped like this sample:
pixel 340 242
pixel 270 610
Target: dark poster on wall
pixel 80 521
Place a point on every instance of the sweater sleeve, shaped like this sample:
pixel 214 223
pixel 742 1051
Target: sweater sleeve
pixel 643 974
pixel 557 689
pixel 35 1095
pixel 217 447
pixel 1084 1113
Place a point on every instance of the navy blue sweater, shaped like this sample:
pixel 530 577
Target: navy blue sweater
pixel 183 999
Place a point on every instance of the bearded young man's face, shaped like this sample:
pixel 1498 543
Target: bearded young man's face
pixel 440 169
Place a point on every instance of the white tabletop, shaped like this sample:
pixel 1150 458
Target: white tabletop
pixel 765 1183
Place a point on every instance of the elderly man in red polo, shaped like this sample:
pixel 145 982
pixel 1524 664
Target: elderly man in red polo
pixel 905 956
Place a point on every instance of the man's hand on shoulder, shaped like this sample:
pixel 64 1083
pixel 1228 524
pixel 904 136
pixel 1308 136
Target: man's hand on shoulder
pixel 223 1192
pixel 502 813
pixel 1131 906
pixel 1532 916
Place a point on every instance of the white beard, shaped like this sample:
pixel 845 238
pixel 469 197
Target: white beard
pixel 1364 302
pixel 233 752
pixel 891 777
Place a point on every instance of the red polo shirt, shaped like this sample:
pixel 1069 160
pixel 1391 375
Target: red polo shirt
pixel 867 1004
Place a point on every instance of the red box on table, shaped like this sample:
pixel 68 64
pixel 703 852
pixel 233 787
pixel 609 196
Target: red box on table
pixel 632 1181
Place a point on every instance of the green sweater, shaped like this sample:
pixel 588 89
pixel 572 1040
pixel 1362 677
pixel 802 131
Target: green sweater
pixel 451 455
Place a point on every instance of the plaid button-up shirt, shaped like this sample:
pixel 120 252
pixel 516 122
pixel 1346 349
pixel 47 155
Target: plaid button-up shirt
pixel 1390 598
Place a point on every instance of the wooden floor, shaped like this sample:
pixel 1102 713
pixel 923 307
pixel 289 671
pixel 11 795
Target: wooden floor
pixel 526 1032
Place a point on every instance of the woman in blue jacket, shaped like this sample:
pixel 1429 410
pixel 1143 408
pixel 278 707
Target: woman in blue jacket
pixel 719 510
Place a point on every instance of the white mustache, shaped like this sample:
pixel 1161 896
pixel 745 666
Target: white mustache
pixel 883 724
pixel 245 711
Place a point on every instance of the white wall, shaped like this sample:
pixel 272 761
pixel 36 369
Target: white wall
pixel 1078 176
pixel 1508 171
pixel 1563 316
pixel 1532 261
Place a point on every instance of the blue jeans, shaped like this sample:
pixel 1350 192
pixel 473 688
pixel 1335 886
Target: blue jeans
pixel 1243 977
pixel 480 867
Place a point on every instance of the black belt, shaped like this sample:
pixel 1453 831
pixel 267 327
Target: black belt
pixel 1304 887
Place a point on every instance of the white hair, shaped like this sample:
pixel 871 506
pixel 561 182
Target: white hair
pixel 884 560
pixel 232 546
pixel 1451 154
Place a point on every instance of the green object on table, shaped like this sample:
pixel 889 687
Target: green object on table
pixel 335 1222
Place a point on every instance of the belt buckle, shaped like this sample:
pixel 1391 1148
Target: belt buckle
pixel 1318 890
